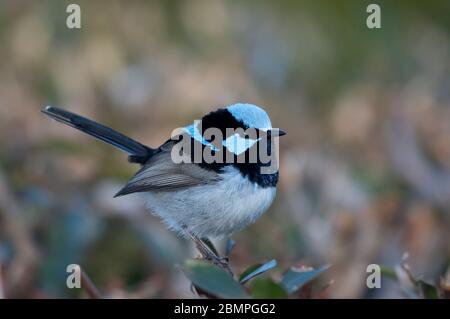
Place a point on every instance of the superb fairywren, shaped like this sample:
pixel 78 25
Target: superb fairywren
pixel 201 198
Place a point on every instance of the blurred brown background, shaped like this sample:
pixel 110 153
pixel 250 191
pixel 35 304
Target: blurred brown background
pixel 365 168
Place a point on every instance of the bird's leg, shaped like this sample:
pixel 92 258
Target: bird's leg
pixel 222 260
pixel 208 254
pixel 201 247
pixel 204 250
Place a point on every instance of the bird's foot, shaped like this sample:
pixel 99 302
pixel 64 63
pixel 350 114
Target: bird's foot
pixel 209 255
pixel 222 262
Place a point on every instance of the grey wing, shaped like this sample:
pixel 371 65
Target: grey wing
pixel 161 174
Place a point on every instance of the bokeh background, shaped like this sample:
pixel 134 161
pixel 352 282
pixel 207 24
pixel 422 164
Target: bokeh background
pixel 365 167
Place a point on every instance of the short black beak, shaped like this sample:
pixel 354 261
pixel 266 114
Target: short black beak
pixel 277 132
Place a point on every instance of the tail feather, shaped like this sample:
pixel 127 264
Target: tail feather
pixel 138 152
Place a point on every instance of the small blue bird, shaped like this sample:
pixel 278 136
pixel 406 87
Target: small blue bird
pixel 199 199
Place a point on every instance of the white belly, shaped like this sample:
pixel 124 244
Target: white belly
pixel 213 210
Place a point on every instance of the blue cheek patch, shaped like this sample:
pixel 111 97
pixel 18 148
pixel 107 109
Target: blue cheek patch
pixel 196 135
pixel 237 144
pixel 234 143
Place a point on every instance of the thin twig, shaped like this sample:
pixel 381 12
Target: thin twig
pixel 89 286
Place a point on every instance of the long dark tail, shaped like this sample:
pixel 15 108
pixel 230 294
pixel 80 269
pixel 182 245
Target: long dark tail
pixel 138 152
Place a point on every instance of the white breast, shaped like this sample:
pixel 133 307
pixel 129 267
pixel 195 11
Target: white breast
pixel 213 210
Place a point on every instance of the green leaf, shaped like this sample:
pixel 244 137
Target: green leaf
pixel 295 279
pixel 266 288
pixel 388 272
pixel 213 279
pixel 429 291
pixel 229 247
pixel 210 245
pixel 256 270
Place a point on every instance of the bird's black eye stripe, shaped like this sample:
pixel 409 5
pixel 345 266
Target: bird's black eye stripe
pixel 221 119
